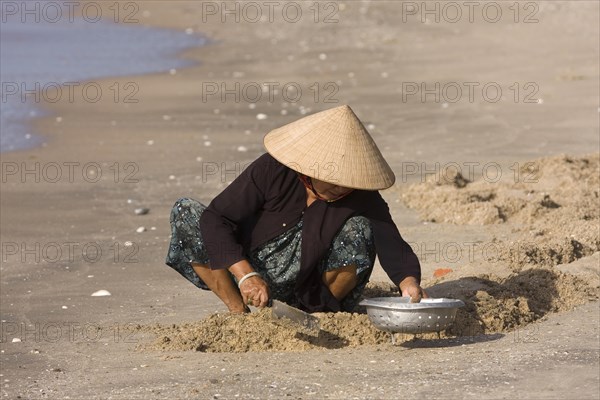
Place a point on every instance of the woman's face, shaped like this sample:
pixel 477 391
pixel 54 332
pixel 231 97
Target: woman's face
pixel 330 191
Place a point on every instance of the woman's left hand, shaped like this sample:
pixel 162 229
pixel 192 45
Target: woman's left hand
pixel 409 287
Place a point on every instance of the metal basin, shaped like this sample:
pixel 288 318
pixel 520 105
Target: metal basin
pixel 398 314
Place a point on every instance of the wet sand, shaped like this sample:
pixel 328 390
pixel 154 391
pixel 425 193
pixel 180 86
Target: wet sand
pixel 174 143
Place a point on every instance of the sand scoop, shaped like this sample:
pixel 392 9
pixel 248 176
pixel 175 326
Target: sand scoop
pixel 305 322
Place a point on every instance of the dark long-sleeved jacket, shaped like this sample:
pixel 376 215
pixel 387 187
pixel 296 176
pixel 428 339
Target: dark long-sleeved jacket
pixel 268 198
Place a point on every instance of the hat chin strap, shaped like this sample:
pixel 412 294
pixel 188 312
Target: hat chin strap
pixel 307 182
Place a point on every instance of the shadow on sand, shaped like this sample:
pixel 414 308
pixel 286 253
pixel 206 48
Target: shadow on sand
pixel 418 343
pixel 499 305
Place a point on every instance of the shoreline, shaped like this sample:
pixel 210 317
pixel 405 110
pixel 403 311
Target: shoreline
pixel 73 84
pixel 196 56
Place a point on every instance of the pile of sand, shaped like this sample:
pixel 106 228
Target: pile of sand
pixel 259 331
pixel 549 187
pixel 552 206
pixel 492 305
pixel 495 305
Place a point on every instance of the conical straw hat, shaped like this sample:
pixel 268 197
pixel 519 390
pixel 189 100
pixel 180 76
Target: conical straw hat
pixel 332 146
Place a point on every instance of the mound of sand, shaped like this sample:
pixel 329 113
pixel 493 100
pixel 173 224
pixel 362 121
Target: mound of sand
pixel 259 331
pixel 552 206
pixel 496 305
pixel 492 305
pixel 562 187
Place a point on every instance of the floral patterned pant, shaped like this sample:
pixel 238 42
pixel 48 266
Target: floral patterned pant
pixel 278 260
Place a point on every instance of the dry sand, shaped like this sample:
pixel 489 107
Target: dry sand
pixel 529 329
pixel 492 305
pixel 552 210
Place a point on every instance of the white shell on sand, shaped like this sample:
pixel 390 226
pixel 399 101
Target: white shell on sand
pixel 140 229
pixel 100 293
pixel 242 148
pixel 16 340
pixel 128 244
pixel 261 116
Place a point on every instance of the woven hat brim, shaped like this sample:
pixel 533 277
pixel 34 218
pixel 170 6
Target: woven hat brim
pixel 332 146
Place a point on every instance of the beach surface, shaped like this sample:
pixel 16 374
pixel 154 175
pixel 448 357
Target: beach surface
pixel 509 100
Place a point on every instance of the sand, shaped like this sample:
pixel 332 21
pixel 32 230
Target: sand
pixel 259 332
pixel 521 334
pixel 492 305
pixel 551 207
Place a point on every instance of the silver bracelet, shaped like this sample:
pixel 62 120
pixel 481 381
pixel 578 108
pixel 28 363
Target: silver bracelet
pixel 248 275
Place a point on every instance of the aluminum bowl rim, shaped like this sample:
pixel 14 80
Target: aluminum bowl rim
pixel 404 304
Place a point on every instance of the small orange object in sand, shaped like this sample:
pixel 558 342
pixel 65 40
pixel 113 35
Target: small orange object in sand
pixel 438 273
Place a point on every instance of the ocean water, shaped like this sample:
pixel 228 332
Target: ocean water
pixel 41 55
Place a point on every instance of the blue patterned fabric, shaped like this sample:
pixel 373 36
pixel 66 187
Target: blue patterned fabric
pixel 278 260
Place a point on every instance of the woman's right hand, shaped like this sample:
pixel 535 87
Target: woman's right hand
pixel 255 291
